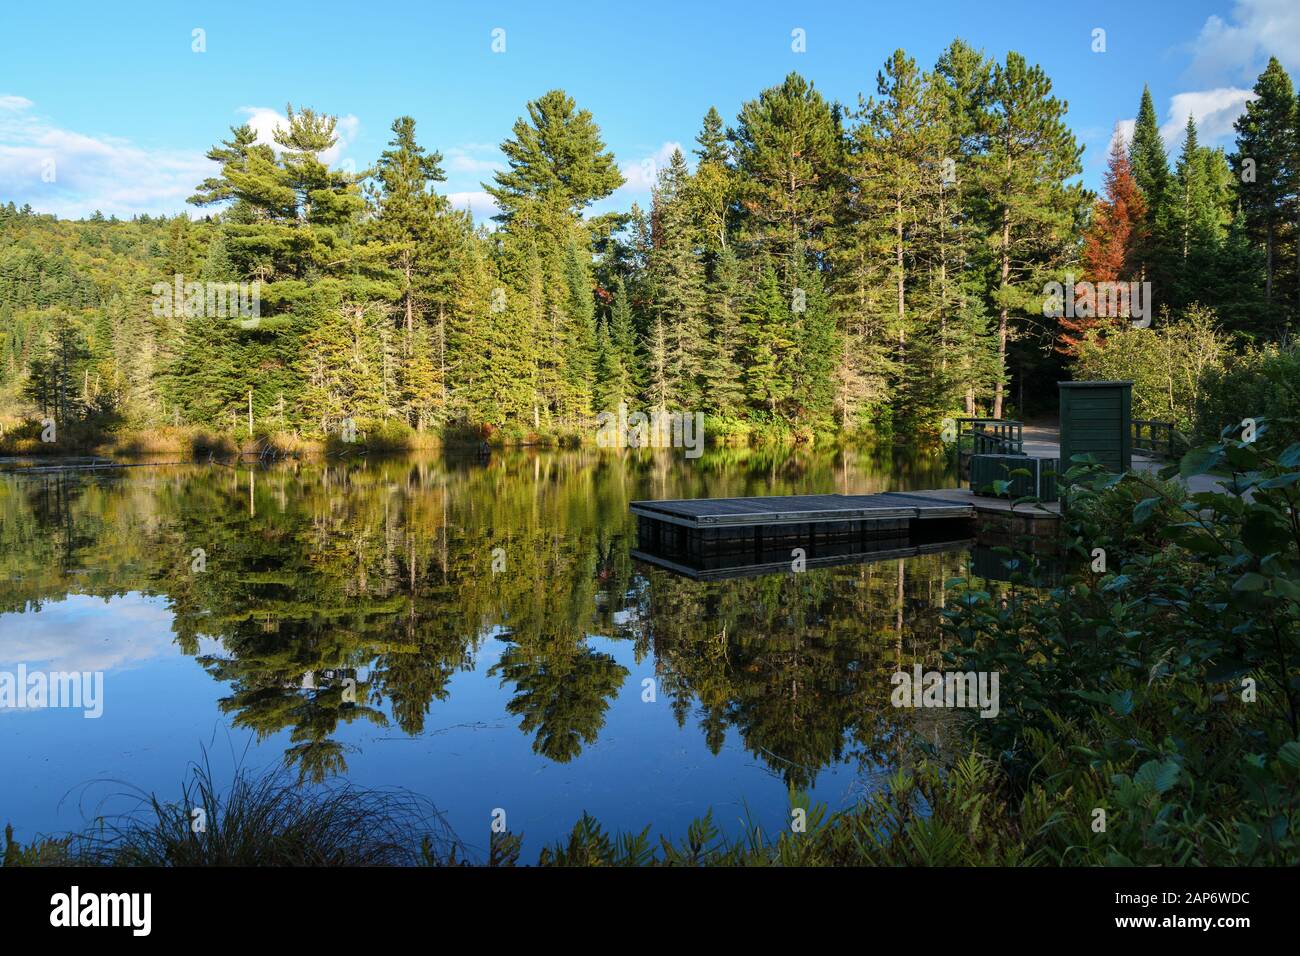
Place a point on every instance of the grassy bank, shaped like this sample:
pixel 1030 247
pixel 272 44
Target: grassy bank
pixel 28 437
pixel 269 821
pixel 265 820
pixel 25 439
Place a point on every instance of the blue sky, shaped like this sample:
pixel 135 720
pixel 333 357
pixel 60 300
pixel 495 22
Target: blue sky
pixel 123 108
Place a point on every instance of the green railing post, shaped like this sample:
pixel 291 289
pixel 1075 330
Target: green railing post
pixel 987 436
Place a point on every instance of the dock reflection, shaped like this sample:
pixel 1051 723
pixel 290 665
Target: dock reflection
pixel 720 554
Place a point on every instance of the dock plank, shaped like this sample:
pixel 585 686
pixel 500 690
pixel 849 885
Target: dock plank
pixel 799 509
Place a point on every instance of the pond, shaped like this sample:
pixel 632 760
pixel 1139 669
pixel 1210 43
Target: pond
pixel 476 631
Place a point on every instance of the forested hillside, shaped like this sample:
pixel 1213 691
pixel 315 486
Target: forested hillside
pixel 810 268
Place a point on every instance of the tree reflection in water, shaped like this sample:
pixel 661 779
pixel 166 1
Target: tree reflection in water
pixel 355 591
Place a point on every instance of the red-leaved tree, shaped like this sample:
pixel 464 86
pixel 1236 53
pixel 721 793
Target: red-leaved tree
pixel 1111 244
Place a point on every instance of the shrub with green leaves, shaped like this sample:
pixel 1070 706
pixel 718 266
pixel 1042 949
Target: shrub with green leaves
pixel 1163 689
pixel 1261 382
pixel 1169 364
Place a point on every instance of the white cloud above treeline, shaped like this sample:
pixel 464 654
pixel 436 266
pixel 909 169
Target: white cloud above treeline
pixel 478 202
pixel 1214 112
pixel 72 174
pixel 264 121
pixel 1236 49
pixel 642 174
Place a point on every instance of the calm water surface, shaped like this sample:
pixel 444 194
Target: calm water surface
pixel 523 688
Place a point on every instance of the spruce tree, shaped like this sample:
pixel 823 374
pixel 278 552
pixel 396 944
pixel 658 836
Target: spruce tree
pixel 1235 278
pixel 420 397
pixel 578 337
pixel 608 372
pixel 407 217
pixel 422 236
pixel 1147 156
pixel 712 186
pixel 1265 164
pixel 1030 210
pixel 769 345
pixel 724 391
pixel 677 281
pixel 712 139
pixel 1158 250
pixel 788 165
pixel 493 343
pixel 655 361
pixel 1189 190
pixel 816 351
pixel 622 374
pixel 1203 212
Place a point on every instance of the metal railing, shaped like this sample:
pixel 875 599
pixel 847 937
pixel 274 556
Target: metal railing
pixel 990 436
pixel 987 436
pixel 1160 438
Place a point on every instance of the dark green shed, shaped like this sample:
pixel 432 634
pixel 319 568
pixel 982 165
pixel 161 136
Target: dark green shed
pixel 1096 419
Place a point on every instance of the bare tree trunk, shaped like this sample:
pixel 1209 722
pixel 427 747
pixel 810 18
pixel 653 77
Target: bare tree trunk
pixel 1268 275
pixel 943 286
pixel 1002 314
pixel 63 377
pixel 898 265
pixel 442 357
pixel 410 303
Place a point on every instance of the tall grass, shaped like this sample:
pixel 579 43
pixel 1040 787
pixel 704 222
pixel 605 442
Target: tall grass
pixel 259 820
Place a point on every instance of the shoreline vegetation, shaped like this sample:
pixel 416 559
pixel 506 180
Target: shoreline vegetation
pixel 810 270
pixel 197 445
pixel 1150 716
pixel 21 439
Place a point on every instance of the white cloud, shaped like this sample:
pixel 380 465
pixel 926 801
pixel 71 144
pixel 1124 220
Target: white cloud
pixel 347 128
pixel 1213 110
pixel 72 174
pixel 78 633
pixel 477 159
pixel 478 202
pixel 264 121
pixel 1239 47
pixel 642 174
pixel 1123 132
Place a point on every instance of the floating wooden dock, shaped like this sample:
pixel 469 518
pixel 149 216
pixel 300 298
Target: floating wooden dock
pixel 885 510
pixel 758 535
pixel 726 537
